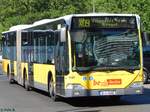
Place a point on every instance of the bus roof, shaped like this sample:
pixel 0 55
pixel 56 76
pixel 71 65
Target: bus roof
pixel 67 19
pixel 106 14
pixel 18 27
pixel 42 21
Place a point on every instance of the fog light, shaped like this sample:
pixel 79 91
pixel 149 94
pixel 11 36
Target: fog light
pixel 136 85
pixel 138 91
pixel 75 86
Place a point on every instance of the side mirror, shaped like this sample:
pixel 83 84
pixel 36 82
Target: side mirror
pixel 63 34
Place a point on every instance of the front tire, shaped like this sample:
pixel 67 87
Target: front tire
pixel 52 91
pixel 145 77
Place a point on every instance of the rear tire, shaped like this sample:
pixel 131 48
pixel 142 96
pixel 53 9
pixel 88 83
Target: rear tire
pixel 11 80
pixel 27 86
pixel 26 83
pixel 145 77
pixel 10 77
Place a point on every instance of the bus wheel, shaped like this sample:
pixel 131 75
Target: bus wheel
pixel 26 83
pixel 11 80
pixel 10 77
pixel 145 77
pixel 52 90
pixel 27 86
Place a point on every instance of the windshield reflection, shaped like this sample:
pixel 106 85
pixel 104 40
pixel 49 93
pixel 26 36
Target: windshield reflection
pixel 115 48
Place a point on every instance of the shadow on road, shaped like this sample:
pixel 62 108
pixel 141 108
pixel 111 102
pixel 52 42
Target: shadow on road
pixel 93 102
pixel 82 110
pixel 41 92
pixel 87 101
pixel 90 104
pixel 104 101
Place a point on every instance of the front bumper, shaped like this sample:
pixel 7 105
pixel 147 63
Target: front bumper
pixel 104 92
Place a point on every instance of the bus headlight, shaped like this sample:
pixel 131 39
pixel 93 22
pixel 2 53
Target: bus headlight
pixel 75 86
pixel 136 85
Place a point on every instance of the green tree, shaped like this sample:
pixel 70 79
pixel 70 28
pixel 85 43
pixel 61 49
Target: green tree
pixel 14 12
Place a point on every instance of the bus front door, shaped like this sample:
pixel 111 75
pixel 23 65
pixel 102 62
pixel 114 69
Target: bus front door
pixel 58 64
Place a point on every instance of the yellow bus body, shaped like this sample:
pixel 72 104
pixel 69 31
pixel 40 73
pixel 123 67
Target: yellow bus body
pixel 104 80
pixel 41 73
pixel 5 64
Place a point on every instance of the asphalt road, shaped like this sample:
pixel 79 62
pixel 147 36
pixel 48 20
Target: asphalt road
pixel 14 98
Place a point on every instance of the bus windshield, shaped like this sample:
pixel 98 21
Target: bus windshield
pixel 110 48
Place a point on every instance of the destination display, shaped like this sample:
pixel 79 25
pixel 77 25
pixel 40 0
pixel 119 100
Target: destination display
pixel 103 22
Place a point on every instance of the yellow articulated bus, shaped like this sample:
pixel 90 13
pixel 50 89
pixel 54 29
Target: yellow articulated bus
pixel 77 55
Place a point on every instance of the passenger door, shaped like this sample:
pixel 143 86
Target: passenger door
pixel 61 62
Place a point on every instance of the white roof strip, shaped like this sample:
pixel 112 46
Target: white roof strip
pixel 43 21
pixel 67 18
pixel 19 27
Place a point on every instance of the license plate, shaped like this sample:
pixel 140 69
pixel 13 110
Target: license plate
pixel 107 92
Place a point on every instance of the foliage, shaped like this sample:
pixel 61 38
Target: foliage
pixel 13 12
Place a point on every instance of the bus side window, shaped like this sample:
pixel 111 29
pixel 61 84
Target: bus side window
pixel 42 49
pixel 12 45
pixel 35 48
pixel 50 48
pixel 30 48
pixel 24 46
